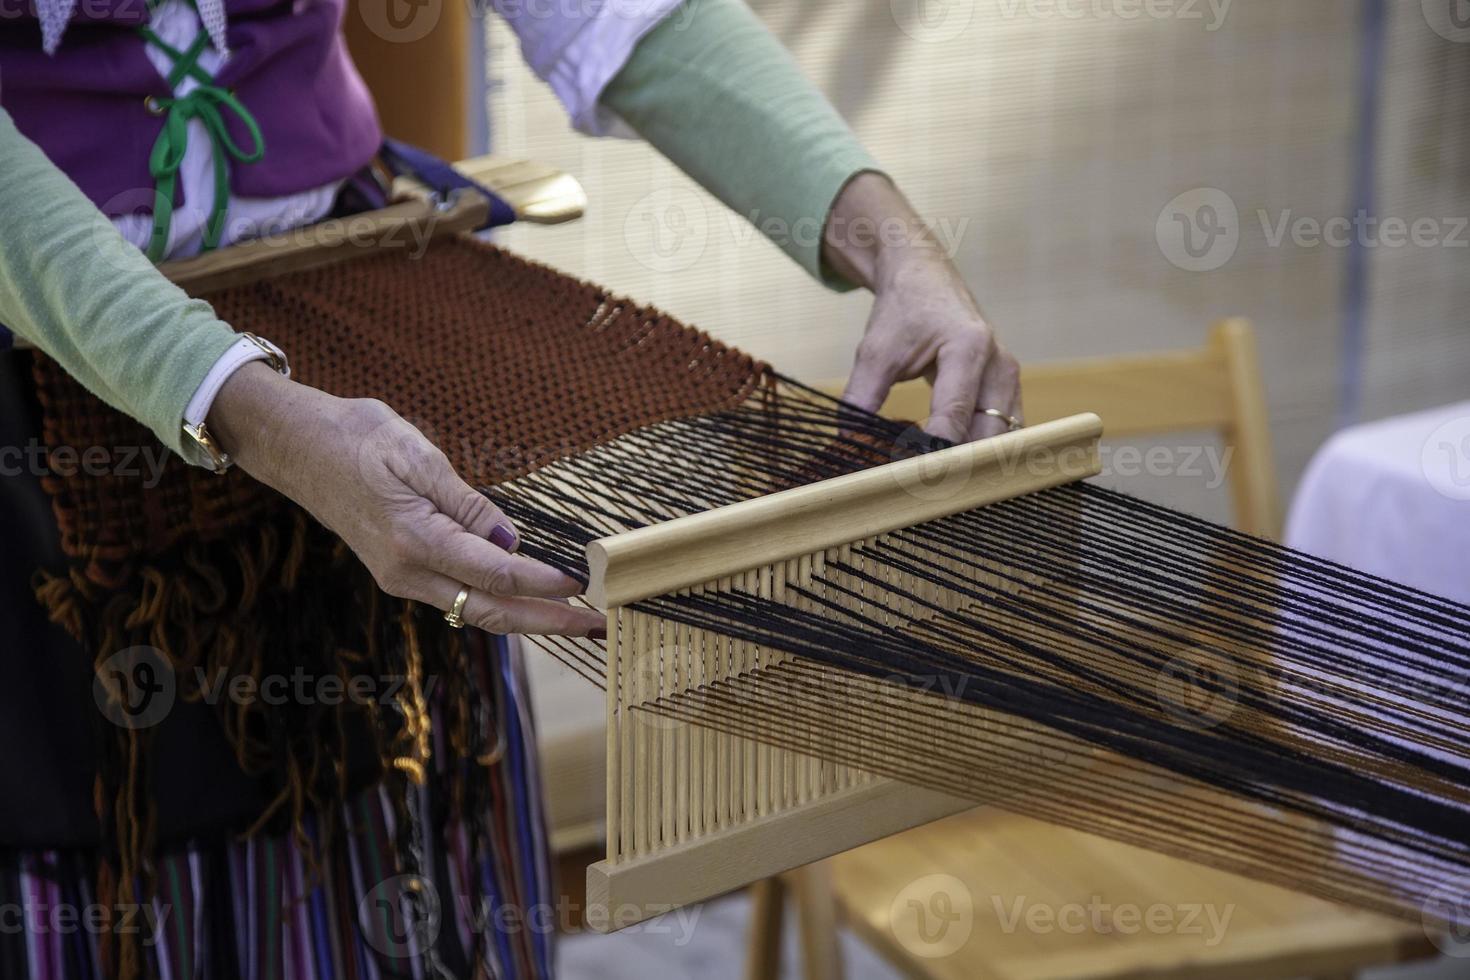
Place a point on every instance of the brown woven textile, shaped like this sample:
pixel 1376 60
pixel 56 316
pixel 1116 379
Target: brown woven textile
pixel 503 363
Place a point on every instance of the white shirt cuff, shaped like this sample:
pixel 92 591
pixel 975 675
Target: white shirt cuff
pixel 240 353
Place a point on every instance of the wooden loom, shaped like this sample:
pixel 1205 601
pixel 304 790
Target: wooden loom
pixel 692 812
pixel 696 810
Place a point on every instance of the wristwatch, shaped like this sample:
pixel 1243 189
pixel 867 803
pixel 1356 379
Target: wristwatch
pixel 248 348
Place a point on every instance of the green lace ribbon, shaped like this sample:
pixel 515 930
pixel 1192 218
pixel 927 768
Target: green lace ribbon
pixel 209 104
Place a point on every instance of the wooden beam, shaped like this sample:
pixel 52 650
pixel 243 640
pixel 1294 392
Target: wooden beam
pixel 538 194
pixel 755 533
pixel 624 894
pixel 407 226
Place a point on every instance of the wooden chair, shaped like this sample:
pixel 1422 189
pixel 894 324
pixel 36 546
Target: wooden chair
pixel 954 900
pixel 1213 388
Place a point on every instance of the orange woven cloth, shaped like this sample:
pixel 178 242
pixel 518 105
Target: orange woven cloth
pixel 505 364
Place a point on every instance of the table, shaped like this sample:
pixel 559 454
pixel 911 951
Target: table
pixel 1392 498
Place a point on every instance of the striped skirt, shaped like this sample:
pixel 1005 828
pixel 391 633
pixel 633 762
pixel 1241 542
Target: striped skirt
pixel 275 908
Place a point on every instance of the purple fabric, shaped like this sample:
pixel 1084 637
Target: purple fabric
pixel 84 106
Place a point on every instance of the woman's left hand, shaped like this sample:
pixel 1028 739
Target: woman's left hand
pixel 924 321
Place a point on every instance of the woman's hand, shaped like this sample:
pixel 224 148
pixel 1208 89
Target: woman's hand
pixel 924 321
pixel 386 490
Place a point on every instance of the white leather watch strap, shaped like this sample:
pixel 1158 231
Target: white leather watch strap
pixel 248 348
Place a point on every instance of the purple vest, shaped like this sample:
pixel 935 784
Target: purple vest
pixel 288 66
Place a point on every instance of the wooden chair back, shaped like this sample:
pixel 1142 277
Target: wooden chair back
pixel 1216 387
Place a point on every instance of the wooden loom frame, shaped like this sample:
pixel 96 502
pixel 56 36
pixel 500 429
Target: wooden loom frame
pixel 647 872
pixel 690 551
pixel 538 194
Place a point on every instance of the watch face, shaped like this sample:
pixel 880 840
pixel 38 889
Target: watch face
pixel 216 459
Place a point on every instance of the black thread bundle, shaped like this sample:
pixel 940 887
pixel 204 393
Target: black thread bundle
pixel 1076 655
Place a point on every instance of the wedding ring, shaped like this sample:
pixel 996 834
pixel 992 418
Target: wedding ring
pixel 454 617
pixel 1012 423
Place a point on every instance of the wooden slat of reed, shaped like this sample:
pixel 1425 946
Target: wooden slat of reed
pixel 615 759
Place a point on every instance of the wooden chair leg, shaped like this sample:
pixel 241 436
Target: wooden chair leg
pixel 767 916
pixel 816 909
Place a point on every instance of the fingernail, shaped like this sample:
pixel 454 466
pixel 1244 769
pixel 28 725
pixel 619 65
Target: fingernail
pixel 504 536
pixel 597 633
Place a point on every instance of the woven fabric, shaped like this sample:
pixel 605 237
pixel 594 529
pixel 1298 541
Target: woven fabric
pixel 507 366
pixel 503 363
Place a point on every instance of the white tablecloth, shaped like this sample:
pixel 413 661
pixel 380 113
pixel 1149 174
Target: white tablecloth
pixel 1393 498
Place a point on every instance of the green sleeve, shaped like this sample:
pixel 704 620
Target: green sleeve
pixel 74 288
pixel 720 97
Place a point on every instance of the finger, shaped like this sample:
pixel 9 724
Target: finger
pixel 469 539
pixel 498 614
pixel 436 480
pixel 1018 401
pixel 535 617
pixel 985 426
pixel 486 568
pixel 873 375
pixel 1000 388
pixel 956 388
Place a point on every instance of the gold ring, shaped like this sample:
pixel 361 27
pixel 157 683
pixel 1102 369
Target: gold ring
pixel 453 617
pixel 1012 423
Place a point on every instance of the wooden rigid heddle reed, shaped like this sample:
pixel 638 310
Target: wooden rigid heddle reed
pixel 822 627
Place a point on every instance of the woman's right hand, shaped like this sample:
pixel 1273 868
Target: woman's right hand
pixel 376 481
